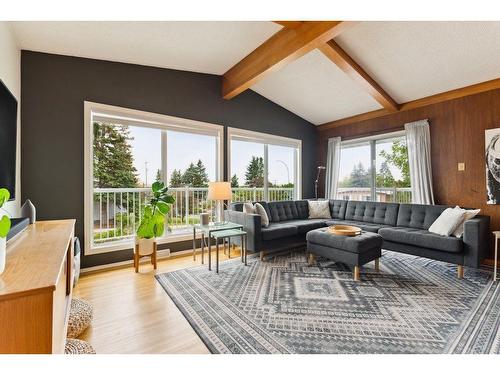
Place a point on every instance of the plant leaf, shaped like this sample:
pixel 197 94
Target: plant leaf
pixel 4 196
pixel 4 226
pixel 168 199
pixel 158 224
pixel 163 207
pixel 157 186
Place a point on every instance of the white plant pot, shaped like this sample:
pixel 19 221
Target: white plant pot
pixel 3 253
pixel 146 246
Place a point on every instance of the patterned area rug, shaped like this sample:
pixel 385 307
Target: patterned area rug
pixel 413 305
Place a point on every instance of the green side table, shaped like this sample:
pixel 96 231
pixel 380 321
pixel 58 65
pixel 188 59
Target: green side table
pixel 219 231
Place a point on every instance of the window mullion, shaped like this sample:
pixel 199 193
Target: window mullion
pixel 373 170
pixel 266 183
pixel 163 164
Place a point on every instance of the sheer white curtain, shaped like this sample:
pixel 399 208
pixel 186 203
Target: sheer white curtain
pixel 418 139
pixel 332 167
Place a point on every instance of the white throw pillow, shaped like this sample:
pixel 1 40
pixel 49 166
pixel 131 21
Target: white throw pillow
pixel 258 209
pixel 469 214
pixel 264 219
pixel 319 209
pixel 447 222
pixel 248 208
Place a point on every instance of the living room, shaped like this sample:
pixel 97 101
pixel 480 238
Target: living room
pixel 208 184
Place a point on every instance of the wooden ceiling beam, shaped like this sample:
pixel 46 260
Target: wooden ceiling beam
pixel 282 48
pixel 340 58
pixel 429 100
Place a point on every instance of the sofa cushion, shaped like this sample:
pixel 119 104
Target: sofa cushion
pixel 302 209
pixel 372 212
pixel 304 226
pixel 356 244
pixel 337 208
pixel 419 216
pixel 422 238
pixel 282 211
pixel 278 230
pixel 369 227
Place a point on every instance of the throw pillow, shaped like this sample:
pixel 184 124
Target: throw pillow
pixel 319 209
pixel 469 214
pixel 248 208
pixel 447 222
pixel 258 209
pixel 264 219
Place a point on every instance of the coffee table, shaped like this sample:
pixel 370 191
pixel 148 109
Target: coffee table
pixel 353 251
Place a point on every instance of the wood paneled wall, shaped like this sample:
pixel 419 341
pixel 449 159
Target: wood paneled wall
pixel 457 135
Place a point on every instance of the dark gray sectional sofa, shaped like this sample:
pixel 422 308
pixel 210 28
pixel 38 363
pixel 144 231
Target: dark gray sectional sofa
pixel 403 227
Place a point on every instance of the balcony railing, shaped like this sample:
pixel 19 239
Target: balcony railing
pixel 397 195
pixel 117 211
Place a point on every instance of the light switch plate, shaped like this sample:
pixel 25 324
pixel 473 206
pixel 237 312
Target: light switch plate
pixel 461 166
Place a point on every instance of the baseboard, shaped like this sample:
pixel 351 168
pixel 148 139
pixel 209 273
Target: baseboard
pixel 162 254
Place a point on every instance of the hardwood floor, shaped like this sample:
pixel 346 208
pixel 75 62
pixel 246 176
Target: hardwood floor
pixel 133 314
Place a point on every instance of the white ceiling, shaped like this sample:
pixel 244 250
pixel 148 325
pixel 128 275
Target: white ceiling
pixel 205 47
pixel 410 60
pixel 316 89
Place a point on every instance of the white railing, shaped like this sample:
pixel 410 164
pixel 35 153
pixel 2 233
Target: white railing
pixel 397 195
pixel 117 211
pixel 245 194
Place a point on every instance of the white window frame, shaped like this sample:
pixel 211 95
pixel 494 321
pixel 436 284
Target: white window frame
pixel 96 111
pixel 371 141
pixel 268 139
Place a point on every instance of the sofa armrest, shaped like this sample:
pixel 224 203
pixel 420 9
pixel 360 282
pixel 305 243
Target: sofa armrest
pixel 251 225
pixel 476 240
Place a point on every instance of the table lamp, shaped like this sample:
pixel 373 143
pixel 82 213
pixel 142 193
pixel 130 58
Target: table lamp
pixel 219 191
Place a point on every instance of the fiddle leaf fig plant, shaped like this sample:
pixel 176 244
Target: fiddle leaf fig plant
pixel 153 220
pixel 4 220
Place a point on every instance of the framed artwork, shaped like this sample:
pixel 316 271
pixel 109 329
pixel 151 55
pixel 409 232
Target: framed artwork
pixel 492 157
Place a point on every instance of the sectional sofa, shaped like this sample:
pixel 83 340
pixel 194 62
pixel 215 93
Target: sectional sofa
pixel 403 227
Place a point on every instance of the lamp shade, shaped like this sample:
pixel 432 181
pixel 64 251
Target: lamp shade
pixel 219 191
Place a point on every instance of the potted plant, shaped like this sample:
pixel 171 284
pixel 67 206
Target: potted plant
pixel 152 224
pixel 4 229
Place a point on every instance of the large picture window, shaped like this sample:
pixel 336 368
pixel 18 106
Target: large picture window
pixel 263 166
pixel 127 152
pixel 375 169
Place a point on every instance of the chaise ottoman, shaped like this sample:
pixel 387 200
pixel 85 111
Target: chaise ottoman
pixel 353 251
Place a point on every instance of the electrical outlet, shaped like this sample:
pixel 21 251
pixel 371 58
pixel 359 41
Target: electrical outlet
pixel 461 167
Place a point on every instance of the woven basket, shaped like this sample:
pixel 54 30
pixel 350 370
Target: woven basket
pixel 75 346
pixel 80 317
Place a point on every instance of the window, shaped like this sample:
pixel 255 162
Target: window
pixel 263 166
pixel 375 169
pixel 127 151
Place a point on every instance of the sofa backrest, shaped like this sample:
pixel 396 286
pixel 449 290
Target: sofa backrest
pixel 337 208
pixel 302 209
pixel 283 210
pixel 372 212
pixel 419 216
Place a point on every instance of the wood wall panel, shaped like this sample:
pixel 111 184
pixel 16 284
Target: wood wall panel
pixel 457 135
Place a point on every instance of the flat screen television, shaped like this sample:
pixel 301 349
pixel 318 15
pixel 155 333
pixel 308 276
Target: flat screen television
pixel 8 142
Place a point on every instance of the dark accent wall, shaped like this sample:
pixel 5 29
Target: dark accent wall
pixel 457 135
pixel 54 88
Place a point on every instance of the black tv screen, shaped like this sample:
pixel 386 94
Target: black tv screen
pixel 8 134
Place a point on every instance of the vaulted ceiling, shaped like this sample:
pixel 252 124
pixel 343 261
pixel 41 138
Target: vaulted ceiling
pixel 370 67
